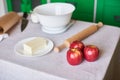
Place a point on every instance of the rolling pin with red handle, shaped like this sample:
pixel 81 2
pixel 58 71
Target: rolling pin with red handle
pixel 79 36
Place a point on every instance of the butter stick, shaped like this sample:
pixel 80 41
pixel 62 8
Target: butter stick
pixel 32 46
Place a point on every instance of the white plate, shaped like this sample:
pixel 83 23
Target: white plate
pixel 19 48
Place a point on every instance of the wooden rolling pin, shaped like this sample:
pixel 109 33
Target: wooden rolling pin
pixel 79 36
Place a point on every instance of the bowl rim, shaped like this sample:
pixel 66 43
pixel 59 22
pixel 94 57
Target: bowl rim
pixel 55 3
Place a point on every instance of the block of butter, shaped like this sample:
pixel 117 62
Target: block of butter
pixel 32 46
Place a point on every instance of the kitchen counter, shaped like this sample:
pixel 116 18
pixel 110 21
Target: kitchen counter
pixel 54 66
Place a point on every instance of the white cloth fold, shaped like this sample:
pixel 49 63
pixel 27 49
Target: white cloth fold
pixel 3 36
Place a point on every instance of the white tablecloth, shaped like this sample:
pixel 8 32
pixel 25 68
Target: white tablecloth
pixel 54 66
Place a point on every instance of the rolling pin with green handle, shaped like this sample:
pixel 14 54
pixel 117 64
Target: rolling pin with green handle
pixel 79 36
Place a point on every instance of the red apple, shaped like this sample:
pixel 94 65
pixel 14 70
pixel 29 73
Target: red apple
pixel 74 56
pixel 91 53
pixel 77 44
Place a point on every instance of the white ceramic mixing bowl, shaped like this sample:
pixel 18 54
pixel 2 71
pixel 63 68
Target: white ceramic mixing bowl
pixel 53 15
